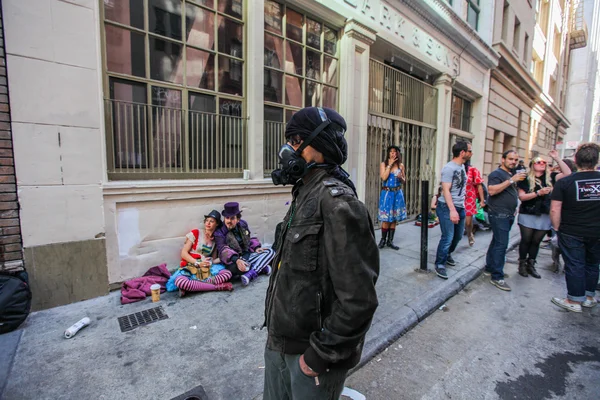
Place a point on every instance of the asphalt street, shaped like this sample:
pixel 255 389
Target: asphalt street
pixel 490 344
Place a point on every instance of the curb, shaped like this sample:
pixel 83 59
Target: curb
pixel 416 310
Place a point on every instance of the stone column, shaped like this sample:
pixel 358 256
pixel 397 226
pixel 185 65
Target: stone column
pixel 444 108
pixel 479 124
pixel 255 42
pixel 354 97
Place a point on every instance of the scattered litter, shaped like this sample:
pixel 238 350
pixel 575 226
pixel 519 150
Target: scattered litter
pixel 353 394
pixel 261 367
pixel 73 329
pixel 399 346
pixel 379 359
pixel 444 308
pixel 193 327
pixel 386 349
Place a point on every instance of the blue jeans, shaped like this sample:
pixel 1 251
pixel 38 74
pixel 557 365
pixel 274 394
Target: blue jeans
pixel 496 254
pixel 582 258
pixel 451 233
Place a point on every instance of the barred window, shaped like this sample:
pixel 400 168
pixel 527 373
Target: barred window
pixel 461 113
pixel 300 70
pixel 174 84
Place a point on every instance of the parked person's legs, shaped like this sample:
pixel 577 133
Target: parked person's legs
pixel 447 227
pixel 536 240
pixel 574 255
pixel 390 238
pixel 469 229
pixel 496 254
pixel 525 243
pixel 592 265
pixel 385 227
pixel 285 380
pixel 459 230
pixel 277 377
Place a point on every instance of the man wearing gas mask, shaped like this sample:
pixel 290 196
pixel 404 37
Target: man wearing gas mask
pixel 321 296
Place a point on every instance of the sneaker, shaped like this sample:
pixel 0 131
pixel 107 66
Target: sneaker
pixel 267 270
pixel 450 261
pixel 562 303
pixel 589 303
pixel 501 285
pixel 441 272
pixel 248 276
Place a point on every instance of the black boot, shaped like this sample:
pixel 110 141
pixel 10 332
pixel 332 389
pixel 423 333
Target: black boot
pixel 523 268
pixel 531 269
pixel 383 239
pixel 390 240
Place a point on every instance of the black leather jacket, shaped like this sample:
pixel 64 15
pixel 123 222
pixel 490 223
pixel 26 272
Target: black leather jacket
pixel 321 296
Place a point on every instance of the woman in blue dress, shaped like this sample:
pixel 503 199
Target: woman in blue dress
pixel 392 208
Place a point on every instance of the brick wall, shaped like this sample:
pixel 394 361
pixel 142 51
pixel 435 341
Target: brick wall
pixel 11 249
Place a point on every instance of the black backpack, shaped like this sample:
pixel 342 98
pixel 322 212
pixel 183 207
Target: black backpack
pixel 15 300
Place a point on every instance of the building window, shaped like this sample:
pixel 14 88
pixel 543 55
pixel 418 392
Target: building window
pixel 301 69
pixel 526 49
pixel 301 64
pixel 461 113
pixel 537 69
pixel 516 34
pixel 175 86
pixel 542 15
pixel 473 13
pixel 557 44
pixel 505 15
pixel 552 90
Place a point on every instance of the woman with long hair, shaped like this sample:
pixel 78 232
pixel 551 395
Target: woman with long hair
pixel 392 208
pixel 474 190
pixel 534 213
pixel 200 251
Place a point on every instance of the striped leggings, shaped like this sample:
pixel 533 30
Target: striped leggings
pixel 258 261
pixel 193 285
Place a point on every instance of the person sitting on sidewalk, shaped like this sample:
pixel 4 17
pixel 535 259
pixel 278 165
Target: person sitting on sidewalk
pixel 575 215
pixel 242 254
pixel 200 252
pixel 502 204
pixel 451 207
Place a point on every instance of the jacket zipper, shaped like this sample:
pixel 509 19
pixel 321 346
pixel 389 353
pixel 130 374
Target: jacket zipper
pixel 319 310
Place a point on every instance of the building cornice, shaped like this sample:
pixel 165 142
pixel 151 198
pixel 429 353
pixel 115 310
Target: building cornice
pixel 358 31
pixel 441 16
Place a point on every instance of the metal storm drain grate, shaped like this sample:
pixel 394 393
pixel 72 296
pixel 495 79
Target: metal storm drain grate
pixel 145 317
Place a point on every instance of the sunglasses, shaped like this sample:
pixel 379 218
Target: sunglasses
pixel 540 162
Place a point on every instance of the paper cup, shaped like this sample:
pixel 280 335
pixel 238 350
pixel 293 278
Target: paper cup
pixel 155 292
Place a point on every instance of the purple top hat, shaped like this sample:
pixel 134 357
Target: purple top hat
pixel 231 209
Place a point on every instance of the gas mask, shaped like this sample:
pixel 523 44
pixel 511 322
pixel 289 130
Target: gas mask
pixel 293 166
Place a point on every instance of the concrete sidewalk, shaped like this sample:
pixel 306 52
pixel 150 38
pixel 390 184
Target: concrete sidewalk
pixel 209 339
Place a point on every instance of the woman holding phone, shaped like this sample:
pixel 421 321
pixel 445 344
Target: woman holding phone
pixel 392 208
pixel 534 213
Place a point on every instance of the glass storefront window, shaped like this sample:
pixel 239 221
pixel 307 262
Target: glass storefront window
pixel 129 13
pixel 301 64
pixel 194 50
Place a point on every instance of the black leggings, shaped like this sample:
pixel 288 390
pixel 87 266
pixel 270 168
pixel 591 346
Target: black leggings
pixel 530 242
